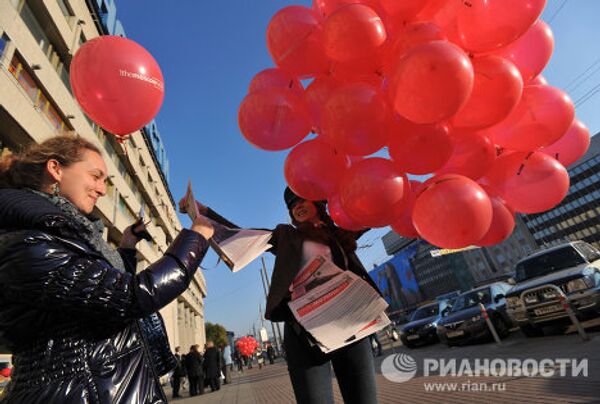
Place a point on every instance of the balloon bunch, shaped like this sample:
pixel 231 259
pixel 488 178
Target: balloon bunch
pixel 246 345
pixel 452 88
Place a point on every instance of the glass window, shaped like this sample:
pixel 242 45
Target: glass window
pixel 65 8
pixel 3 43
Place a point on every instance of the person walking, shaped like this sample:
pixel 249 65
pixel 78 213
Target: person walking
pixel 313 233
pixel 212 366
pixel 195 373
pixel 82 325
pixel 227 364
pixel 179 373
pixel 239 361
pixel 271 354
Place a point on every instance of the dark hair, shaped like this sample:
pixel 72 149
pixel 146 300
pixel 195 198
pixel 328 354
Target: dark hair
pixel 26 169
pixel 324 234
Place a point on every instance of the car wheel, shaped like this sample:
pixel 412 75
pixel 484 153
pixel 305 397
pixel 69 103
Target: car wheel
pixel 531 331
pixel 501 328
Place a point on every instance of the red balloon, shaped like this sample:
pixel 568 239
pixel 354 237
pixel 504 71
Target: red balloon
pixel 352 32
pixel 325 7
pixel 314 169
pixel 488 24
pixel 413 34
pixel 403 10
pixel 496 92
pixel 317 94
pixel 276 78
pixel 503 221
pixel 403 225
pixel 341 218
pixel 6 372
pixel 473 156
pixel 431 82
pixel 539 81
pixel 355 119
pixel 530 182
pixel 419 149
pixel 373 192
pixel 117 82
pixel 572 146
pixel 531 52
pixel 542 116
pixel 273 119
pixel 294 39
pixel 452 211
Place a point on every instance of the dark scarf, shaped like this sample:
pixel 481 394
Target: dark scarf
pixel 88 228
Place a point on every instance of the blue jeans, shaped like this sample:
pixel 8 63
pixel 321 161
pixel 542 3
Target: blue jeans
pixel 310 371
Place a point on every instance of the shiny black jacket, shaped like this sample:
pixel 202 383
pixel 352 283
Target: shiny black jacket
pixel 74 323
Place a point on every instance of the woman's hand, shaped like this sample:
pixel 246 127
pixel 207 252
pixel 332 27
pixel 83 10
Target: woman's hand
pixel 203 226
pixel 129 240
pixel 201 208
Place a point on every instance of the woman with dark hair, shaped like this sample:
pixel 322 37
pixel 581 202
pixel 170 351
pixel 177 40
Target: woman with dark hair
pixel 81 324
pixel 314 233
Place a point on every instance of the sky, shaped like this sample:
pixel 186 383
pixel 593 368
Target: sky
pixel 210 50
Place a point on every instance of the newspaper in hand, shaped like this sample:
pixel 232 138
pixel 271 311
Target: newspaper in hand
pixel 235 247
pixel 336 307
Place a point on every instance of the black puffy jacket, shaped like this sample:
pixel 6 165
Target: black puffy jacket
pixel 73 322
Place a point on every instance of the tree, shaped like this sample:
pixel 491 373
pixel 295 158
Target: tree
pixel 217 334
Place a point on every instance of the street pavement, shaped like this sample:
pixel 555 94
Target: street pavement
pixel 271 383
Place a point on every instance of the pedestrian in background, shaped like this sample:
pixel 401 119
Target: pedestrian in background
pixel 179 373
pixel 195 374
pixel 227 364
pixel 212 366
pixel 271 353
pixel 82 324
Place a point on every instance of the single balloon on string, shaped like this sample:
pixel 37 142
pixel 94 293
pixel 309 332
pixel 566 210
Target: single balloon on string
pixel 117 82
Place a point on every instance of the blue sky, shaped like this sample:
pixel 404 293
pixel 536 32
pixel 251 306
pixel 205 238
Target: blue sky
pixel 209 51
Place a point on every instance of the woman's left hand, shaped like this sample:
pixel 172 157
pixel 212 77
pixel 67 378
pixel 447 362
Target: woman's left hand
pixel 129 240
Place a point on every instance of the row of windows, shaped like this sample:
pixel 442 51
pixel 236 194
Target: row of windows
pixel 591 163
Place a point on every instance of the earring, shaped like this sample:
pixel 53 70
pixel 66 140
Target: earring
pixel 56 189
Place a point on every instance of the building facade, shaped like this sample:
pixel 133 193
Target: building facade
pixel 38 41
pixel 578 216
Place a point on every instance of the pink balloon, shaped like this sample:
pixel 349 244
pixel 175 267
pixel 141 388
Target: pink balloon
pixel 431 82
pixel 530 182
pixel 316 95
pixel 276 78
pixel 118 83
pixel 571 146
pixel 531 52
pixel 373 192
pixel 473 156
pixel 326 7
pixel 419 149
pixel 503 221
pixel 452 211
pixel 314 169
pixel 403 225
pixel 496 92
pixel 273 119
pixel 294 39
pixel 355 119
pixel 352 32
pixel 484 25
pixel 542 116
pixel 341 218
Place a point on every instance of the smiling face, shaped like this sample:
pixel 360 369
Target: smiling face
pixel 305 211
pixel 82 182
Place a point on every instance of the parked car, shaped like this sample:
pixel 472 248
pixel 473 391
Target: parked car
pixel 422 326
pixel 574 267
pixel 465 322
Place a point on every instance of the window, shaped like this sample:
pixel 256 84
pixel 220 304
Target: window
pixel 3 43
pixel 65 8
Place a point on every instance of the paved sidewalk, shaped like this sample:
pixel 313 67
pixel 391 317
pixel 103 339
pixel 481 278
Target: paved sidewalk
pixel 271 383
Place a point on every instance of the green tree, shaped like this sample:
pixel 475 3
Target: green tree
pixel 217 334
